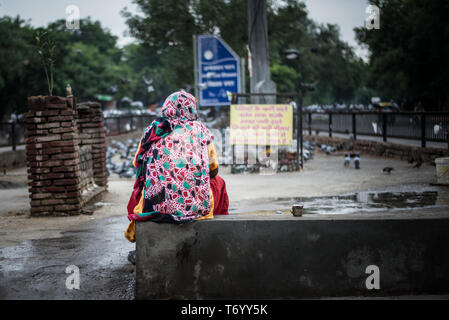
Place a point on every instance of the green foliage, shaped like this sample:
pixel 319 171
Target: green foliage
pixel 165 28
pixel 47 54
pixel 88 59
pixel 410 51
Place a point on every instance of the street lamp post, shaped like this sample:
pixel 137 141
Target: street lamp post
pixel 299 132
pixel 293 54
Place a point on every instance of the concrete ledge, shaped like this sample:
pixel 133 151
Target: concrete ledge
pixel 247 257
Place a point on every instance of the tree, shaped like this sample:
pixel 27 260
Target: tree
pixel 410 51
pixel 88 59
pixel 165 30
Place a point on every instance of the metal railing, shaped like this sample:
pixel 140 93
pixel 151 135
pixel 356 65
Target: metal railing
pixel 124 124
pixel 423 126
pixel 12 134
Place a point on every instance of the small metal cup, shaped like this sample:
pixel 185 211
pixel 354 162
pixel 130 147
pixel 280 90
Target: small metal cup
pixel 297 210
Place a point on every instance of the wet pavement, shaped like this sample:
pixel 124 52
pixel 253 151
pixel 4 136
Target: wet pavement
pixel 386 199
pixel 36 268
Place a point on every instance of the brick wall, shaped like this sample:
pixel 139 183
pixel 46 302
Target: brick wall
pixel 90 124
pixel 53 148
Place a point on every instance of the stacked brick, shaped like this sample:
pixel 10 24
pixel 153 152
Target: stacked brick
pixel 90 123
pixel 52 149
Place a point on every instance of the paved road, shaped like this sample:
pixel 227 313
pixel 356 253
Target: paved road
pixel 36 268
pixel 36 251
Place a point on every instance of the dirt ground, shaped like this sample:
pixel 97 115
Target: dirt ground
pixel 34 252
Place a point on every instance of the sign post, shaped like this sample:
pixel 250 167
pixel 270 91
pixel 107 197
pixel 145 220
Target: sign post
pixel 218 71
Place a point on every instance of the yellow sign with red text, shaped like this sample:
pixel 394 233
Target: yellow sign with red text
pixel 261 124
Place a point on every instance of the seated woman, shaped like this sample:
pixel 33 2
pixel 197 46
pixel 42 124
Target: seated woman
pixel 177 168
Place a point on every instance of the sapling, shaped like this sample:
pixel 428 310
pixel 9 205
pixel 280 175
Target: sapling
pixel 47 54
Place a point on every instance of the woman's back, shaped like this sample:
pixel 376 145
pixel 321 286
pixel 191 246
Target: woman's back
pixel 174 164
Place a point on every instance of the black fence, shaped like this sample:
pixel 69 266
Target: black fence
pixel 428 126
pixel 124 124
pixel 11 134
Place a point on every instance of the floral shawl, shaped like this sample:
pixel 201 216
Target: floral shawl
pixel 172 182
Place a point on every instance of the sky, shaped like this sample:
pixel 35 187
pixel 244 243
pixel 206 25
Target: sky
pixel 347 14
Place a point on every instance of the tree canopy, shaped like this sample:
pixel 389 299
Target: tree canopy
pixel 410 52
pixel 165 29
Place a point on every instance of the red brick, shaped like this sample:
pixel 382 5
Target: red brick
pixel 66 156
pixel 41 209
pixel 66 195
pixel 52 202
pixel 68 149
pixel 65 182
pixel 48 125
pixel 39 170
pixel 68 136
pixel 52 150
pixel 54 189
pixel 64 169
pixel 39 196
pixel 67 207
pixel 39 183
pixel 52 176
pixel 62 130
pixel 66 124
pixel 61 143
pixel 71 162
pixel 50 138
pixel 52 163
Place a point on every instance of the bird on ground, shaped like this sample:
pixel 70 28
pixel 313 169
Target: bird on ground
pixel 347 160
pixel 418 165
pixel 351 147
pixel 340 147
pixel 330 149
pixel 437 128
pixel 411 160
pixel 357 161
pixel 387 170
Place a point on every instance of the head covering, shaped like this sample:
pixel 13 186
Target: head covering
pixel 173 164
pixel 180 106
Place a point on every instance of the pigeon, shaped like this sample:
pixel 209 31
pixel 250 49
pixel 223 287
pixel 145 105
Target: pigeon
pixel 357 161
pixel 387 170
pixel 330 149
pixel 351 147
pixel 347 160
pixel 437 128
pixel 418 164
pixel 411 160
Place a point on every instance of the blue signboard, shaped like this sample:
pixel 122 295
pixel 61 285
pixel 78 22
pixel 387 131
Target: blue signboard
pixel 219 71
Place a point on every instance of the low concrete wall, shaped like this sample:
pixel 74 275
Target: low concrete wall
pixel 280 257
pixel 383 149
